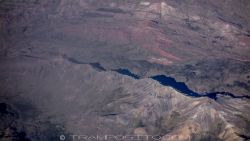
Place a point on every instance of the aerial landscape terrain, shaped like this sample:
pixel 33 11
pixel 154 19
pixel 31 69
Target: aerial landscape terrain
pixel 124 70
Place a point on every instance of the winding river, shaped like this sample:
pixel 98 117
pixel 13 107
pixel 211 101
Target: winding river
pixel 162 79
pixel 180 86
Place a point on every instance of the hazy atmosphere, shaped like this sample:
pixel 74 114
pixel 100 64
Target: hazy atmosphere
pixel 124 70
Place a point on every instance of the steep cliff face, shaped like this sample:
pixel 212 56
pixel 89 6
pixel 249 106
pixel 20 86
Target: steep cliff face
pixel 72 69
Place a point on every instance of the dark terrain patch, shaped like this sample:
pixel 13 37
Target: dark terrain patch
pixel 112 10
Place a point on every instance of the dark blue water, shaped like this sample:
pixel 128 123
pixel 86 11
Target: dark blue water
pixel 127 72
pixel 182 87
pixel 179 86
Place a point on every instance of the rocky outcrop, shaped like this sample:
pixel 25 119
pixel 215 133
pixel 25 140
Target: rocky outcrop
pixel 85 100
pixel 61 60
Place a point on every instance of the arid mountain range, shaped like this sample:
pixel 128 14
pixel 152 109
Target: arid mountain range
pixel 155 70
